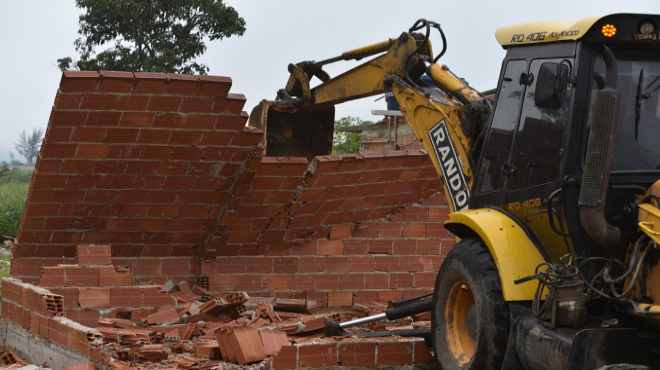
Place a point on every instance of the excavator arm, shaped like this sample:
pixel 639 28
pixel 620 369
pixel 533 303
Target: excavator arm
pixel 440 107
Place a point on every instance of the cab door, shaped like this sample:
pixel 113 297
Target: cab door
pixel 535 162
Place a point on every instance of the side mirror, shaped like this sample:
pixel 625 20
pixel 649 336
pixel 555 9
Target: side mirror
pixel 551 85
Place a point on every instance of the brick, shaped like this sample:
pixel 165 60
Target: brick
pixel 317 355
pixel 151 296
pixel 422 353
pixel 52 276
pixel 93 254
pixel 207 350
pixel 92 151
pixel 404 247
pixel 69 295
pixel 79 81
pixel 104 118
pixel 414 230
pixel 380 246
pixel 398 353
pixel 68 101
pixel 340 299
pixel 81 276
pixel 164 103
pixel 286 359
pixel 377 281
pixel 425 280
pixel 94 297
pixel 98 101
pixel 54 150
pixel 330 247
pixel 241 345
pixel 399 281
pixel 121 135
pixel 111 276
pixel 273 341
pixel 342 231
pixel 353 354
pixel 233 103
pixel 196 105
pixel 137 119
pixel 36 321
pixel 125 296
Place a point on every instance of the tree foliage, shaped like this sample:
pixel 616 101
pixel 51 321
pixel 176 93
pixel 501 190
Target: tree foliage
pixel 346 141
pixel 150 35
pixel 29 144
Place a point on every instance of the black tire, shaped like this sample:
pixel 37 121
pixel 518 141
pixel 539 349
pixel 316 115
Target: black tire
pixel 469 270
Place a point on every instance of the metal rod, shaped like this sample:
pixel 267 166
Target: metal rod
pixel 362 320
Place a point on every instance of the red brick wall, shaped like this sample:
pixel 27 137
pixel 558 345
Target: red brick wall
pixel 162 167
pixel 141 161
pixel 385 259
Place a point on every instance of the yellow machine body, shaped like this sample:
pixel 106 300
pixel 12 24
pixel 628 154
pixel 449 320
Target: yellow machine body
pixel 514 254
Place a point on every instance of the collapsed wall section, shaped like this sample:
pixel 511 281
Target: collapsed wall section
pixel 283 200
pixel 141 161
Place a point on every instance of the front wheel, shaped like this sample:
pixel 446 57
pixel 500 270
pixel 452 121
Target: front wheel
pixel 470 320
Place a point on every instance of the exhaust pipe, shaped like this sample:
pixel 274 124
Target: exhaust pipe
pixel 600 150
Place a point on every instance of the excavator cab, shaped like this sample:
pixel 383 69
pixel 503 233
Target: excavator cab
pixel 553 186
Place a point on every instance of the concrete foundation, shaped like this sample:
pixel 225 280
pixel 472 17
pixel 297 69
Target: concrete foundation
pixel 35 349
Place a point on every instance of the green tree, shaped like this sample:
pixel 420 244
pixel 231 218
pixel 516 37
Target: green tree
pixel 150 35
pixel 29 144
pixel 347 135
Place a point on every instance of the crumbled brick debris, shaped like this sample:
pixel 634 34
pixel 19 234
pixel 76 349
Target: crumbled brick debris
pixel 206 330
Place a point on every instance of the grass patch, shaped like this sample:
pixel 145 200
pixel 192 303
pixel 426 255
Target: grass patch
pixel 5 266
pixel 12 202
pixel 13 192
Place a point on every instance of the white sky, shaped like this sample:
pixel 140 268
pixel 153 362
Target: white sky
pixel 34 33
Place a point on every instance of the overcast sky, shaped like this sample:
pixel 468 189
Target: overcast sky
pixel 35 33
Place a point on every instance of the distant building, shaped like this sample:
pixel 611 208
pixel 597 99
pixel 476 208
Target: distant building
pixel 389 134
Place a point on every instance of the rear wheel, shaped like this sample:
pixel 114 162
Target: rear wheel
pixel 470 318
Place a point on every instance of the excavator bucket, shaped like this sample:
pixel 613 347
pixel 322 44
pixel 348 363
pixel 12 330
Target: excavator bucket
pixel 294 131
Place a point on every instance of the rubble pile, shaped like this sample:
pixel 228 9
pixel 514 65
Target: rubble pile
pixel 94 308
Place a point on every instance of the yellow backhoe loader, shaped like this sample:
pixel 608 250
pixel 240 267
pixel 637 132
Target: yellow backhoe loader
pixel 552 184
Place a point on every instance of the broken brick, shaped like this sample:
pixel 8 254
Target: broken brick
pixel 241 345
pixel 116 323
pixel 293 305
pixel 166 315
pixel 152 352
pixel 273 341
pixel 207 349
